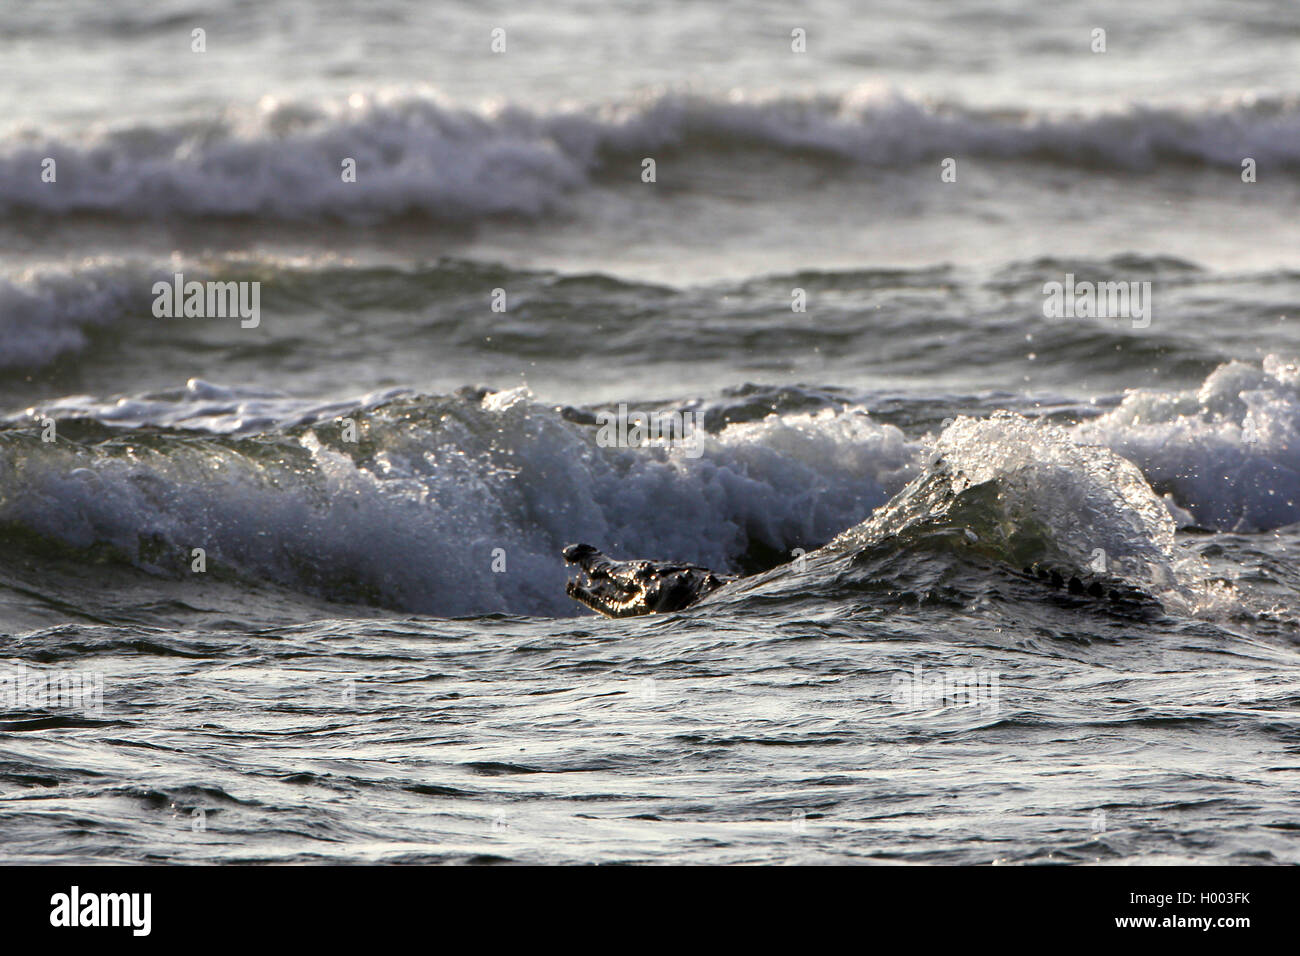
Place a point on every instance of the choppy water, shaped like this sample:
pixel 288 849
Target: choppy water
pixel 377 661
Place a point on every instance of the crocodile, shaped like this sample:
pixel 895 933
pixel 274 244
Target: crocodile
pixel 629 588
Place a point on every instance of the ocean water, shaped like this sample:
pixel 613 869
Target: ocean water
pixel 294 573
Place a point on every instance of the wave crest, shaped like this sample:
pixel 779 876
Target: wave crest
pixel 410 516
pixel 420 154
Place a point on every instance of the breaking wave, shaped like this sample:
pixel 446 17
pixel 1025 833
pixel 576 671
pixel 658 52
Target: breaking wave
pixel 423 155
pixel 436 491
pixel 413 513
pixel 1228 452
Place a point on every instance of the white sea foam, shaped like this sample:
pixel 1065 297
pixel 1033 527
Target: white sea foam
pixel 1228 452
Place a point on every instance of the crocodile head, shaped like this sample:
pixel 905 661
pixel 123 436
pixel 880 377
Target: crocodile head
pixel 629 588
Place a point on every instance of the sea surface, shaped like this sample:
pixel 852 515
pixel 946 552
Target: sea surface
pixel 295 578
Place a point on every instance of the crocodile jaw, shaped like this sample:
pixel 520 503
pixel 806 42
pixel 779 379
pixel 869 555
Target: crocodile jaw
pixel 604 598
